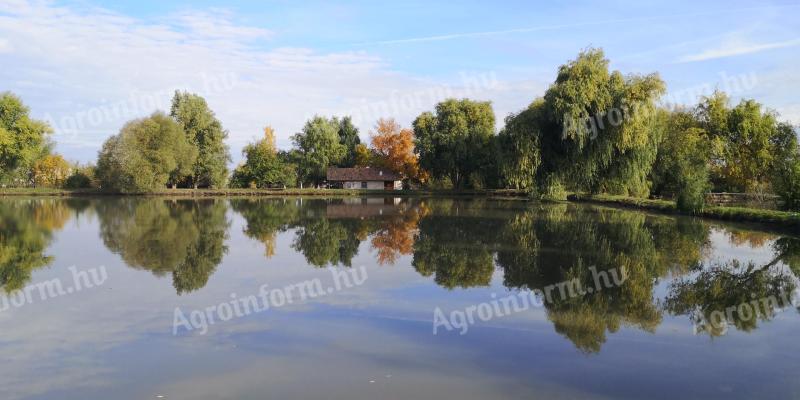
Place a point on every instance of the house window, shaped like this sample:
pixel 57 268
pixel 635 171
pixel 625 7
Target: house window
pixel 363 185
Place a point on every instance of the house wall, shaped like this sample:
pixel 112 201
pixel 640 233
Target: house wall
pixel 372 185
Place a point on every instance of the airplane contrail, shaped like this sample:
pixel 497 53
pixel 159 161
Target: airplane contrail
pixel 557 26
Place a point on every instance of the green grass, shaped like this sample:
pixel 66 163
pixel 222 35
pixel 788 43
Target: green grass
pixel 737 214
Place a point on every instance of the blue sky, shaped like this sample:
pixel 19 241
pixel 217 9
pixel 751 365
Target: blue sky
pixel 88 66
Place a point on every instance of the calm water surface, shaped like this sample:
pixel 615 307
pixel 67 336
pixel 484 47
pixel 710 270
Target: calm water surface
pixel 96 291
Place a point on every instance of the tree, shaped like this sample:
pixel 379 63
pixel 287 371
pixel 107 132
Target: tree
pixel 145 155
pixel 786 181
pixel 454 141
pixel 394 148
pixel 22 139
pixel 599 130
pixel 263 167
pixel 319 147
pixel 51 171
pixel 348 136
pixel 82 177
pixel 519 151
pixel 363 156
pixel 681 169
pixel 746 141
pixel 204 131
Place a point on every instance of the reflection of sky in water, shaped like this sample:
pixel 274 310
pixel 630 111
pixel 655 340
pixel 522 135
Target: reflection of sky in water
pixel 372 341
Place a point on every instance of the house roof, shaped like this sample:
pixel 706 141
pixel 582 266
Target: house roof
pixel 361 174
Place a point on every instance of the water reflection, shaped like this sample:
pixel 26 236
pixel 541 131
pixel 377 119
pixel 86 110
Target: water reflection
pixel 737 294
pixel 458 243
pixel 184 238
pixel 26 230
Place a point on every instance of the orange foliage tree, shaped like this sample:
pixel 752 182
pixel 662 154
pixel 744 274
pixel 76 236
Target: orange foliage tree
pixel 396 235
pixel 394 149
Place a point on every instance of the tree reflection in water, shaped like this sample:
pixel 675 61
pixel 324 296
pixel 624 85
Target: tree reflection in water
pixel 184 238
pixel 737 294
pixel 26 230
pixel 460 243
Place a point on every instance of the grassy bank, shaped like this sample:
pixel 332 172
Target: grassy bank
pixel 737 214
pixel 260 192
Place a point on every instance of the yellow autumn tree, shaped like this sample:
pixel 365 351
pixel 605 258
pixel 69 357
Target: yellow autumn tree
pixel 269 139
pixel 51 171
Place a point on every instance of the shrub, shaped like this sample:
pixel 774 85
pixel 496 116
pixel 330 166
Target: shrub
pixel 691 194
pixel 786 183
pixel 78 180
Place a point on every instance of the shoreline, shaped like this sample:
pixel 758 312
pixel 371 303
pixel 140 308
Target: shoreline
pixel 20 192
pixel 772 218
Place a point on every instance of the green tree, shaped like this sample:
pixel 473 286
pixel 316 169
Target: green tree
pixel 454 141
pixel 348 136
pixel 786 181
pixel 747 141
pixel 519 151
pixel 23 139
pixel 263 167
pixel 204 131
pixel 681 169
pixel 145 155
pixel 82 177
pixel 599 132
pixel 319 147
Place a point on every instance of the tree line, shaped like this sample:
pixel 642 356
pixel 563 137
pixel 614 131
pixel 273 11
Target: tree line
pixel 594 130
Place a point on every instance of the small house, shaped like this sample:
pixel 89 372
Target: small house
pixel 364 178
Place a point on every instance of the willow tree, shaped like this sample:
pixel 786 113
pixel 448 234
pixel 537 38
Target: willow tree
pixel 453 142
pixel 519 150
pixel 599 130
pixel 204 131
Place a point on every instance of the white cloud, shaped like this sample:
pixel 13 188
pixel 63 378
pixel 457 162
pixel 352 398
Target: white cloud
pixel 98 69
pixel 790 113
pixel 737 49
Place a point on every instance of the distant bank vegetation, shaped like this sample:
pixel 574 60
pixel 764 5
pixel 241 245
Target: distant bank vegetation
pixel 594 130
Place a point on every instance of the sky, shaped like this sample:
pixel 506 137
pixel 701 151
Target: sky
pixel 87 67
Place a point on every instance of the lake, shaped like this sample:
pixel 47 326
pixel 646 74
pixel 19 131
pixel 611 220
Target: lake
pixel 389 298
